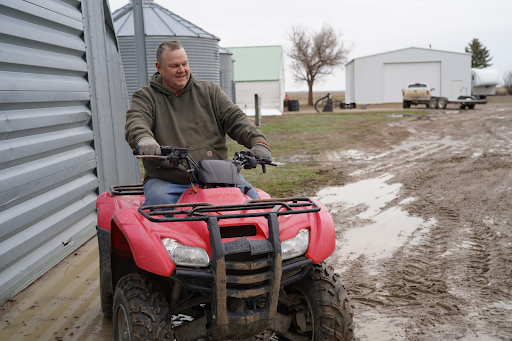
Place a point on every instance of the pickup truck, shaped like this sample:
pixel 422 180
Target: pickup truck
pixel 420 93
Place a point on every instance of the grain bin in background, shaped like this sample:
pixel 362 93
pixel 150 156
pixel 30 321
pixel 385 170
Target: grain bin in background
pixel 227 80
pixel 161 25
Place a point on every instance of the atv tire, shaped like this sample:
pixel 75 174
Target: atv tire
pixel 141 311
pixel 107 302
pixel 324 308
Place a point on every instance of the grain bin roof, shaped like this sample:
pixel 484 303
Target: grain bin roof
pixel 223 50
pixel 257 63
pixel 158 21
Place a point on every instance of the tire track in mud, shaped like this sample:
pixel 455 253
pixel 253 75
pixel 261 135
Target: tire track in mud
pixel 454 280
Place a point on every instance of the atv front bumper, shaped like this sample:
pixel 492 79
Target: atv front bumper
pixel 245 276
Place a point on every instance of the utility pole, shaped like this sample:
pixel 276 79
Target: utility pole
pixel 140 43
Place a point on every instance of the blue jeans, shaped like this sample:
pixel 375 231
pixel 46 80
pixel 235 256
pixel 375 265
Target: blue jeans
pixel 159 192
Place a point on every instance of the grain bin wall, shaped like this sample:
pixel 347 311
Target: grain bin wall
pixel 62 103
pixel 227 80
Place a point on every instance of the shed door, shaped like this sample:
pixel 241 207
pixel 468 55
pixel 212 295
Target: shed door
pixel 456 89
pixel 398 75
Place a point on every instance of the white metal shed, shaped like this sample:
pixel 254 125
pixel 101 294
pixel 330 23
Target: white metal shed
pixel 380 78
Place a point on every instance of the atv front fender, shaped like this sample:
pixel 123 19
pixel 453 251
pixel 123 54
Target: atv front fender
pixel 322 242
pixel 146 248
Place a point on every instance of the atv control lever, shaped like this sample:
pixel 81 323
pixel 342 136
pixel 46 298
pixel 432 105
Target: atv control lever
pixel 248 160
pixel 173 154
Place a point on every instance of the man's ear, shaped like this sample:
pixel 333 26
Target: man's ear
pixel 157 66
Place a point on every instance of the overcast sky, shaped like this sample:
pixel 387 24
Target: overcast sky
pixel 372 26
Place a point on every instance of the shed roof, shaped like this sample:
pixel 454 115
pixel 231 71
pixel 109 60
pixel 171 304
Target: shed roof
pixel 158 21
pixel 408 48
pixel 257 63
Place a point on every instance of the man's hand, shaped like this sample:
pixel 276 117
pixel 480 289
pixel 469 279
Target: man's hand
pixel 148 146
pixel 261 149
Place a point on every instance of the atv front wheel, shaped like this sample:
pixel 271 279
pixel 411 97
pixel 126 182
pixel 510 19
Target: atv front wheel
pixel 141 311
pixel 319 307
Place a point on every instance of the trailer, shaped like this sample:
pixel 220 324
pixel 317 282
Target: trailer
pixel 420 93
pixel 463 102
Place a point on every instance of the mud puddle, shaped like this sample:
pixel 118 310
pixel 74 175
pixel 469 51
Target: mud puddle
pixel 369 228
pixel 374 232
pixel 379 328
pixel 64 304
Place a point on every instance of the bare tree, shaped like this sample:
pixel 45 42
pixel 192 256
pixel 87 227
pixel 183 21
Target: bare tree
pixel 315 54
pixel 507 82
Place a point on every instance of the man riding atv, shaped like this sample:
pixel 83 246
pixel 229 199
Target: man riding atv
pixel 193 257
pixel 177 110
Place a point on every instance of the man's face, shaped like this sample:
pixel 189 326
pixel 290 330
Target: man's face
pixel 174 69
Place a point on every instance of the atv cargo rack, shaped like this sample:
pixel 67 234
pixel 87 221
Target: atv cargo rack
pixel 198 211
pixel 249 270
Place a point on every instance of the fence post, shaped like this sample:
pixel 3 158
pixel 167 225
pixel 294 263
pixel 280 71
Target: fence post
pixel 257 110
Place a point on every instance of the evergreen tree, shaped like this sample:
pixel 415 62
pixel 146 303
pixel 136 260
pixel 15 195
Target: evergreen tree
pixel 480 55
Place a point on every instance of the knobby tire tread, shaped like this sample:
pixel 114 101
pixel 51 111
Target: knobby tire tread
pixel 147 307
pixel 107 303
pixel 330 304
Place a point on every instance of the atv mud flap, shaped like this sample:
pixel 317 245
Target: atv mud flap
pixel 233 278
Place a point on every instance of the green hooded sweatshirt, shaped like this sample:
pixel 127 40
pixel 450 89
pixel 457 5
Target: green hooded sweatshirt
pixel 199 118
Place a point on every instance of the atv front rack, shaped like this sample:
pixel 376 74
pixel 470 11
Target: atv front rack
pixel 199 211
pixel 241 270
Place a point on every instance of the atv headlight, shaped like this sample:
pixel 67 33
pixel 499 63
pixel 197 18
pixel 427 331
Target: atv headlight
pixel 186 255
pixel 295 246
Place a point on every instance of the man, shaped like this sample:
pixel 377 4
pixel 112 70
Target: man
pixel 177 110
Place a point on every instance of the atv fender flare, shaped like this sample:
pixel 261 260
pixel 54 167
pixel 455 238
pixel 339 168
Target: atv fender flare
pixel 321 242
pixel 151 254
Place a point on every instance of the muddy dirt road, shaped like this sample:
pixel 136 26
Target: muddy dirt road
pixel 424 227
pixel 424 239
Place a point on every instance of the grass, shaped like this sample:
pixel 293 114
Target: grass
pixel 307 135
pixel 500 99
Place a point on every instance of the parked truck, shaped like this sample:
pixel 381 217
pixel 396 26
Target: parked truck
pixel 421 93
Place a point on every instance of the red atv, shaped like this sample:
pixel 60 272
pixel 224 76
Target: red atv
pixel 218 265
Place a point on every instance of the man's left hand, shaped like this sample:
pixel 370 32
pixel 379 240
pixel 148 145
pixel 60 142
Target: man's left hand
pixel 261 149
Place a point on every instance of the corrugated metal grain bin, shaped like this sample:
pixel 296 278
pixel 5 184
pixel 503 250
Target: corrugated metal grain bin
pixel 227 80
pixel 62 106
pixel 161 25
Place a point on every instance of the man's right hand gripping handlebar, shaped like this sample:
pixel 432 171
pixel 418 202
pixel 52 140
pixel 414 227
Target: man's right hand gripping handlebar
pixel 148 148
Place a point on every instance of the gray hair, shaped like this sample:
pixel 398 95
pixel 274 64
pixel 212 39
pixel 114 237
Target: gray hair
pixel 171 45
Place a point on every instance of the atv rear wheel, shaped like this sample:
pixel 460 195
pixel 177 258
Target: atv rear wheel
pixel 319 307
pixel 141 311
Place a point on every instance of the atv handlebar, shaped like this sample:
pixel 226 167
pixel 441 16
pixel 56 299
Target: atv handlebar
pixel 176 156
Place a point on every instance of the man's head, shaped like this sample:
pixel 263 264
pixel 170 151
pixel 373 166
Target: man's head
pixel 172 63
